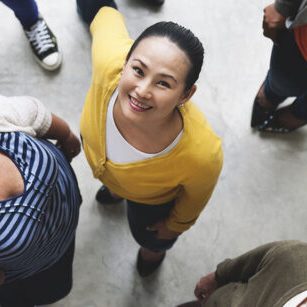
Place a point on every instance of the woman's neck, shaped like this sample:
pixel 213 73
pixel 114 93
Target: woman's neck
pixel 147 136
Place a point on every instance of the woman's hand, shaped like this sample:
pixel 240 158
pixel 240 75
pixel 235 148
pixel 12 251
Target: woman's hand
pixel 70 146
pixel 2 277
pixel 272 23
pixel 205 287
pixel 162 232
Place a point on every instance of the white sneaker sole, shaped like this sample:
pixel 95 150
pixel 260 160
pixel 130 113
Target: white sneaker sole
pixel 50 67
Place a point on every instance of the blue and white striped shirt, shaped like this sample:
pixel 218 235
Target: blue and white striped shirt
pixel 37 226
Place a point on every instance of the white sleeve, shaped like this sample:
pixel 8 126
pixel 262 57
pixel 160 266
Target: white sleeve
pixel 25 114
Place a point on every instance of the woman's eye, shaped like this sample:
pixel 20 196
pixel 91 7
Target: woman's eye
pixel 164 84
pixel 138 71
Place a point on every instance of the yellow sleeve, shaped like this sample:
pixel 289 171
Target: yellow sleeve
pixel 111 42
pixel 197 188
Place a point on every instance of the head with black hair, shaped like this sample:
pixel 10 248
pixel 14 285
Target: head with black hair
pixel 160 72
pixel 183 38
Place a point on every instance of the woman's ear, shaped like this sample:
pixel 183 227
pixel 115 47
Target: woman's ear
pixel 187 95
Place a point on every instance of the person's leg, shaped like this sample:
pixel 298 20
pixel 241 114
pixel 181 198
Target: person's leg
pixel 191 304
pixel 286 77
pixel 141 216
pixel 26 11
pixel 42 41
pixel 11 295
pixel 299 106
pixel 152 251
pixel 43 288
pixel 87 9
pixel 155 2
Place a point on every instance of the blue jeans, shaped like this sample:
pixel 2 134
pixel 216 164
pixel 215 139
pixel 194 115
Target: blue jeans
pixel 140 216
pixel 87 9
pixel 25 10
pixel 287 76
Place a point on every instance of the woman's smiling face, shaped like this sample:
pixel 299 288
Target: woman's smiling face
pixel 153 80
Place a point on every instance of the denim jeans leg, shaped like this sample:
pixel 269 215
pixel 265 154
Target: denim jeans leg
pixel 287 76
pixel 87 9
pixel 26 11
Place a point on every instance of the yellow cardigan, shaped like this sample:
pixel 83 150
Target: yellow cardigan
pixel 188 173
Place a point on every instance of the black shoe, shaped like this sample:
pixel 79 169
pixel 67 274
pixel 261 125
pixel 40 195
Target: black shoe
pixel 155 2
pixel 146 268
pixel 260 114
pixel 44 45
pixel 103 196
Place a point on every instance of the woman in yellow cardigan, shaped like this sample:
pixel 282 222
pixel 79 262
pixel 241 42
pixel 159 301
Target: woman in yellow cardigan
pixel 143 137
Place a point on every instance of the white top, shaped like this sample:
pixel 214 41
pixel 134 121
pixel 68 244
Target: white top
pixel 118 149
pixel 296 299
pixel 25 114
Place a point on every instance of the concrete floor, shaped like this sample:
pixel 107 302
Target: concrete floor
pixel 261 194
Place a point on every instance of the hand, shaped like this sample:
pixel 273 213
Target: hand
pixel 205 287
pixel 70 146
pixel 2 277
pixel 162 232
pixel 273 22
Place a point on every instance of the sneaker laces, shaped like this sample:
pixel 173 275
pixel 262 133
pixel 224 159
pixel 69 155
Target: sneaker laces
pixel 40 37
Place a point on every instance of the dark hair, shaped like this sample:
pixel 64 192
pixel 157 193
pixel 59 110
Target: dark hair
pixel 184 39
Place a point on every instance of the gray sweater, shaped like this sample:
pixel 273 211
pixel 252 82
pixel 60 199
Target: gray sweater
pixel 268 276
pixel 294 10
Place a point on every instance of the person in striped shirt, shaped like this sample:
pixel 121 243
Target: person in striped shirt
pixel 39 204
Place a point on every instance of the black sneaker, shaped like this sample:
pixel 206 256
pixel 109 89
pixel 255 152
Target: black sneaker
pixel 104 196
pixel 44 45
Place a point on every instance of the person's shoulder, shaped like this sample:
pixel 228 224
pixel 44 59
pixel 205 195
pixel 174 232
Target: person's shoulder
pixel 200 132
pixel 203 147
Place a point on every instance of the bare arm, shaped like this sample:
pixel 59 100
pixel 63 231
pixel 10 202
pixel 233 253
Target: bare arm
pixel 275 15
pixel 29 115
pixel 273 22
pixel 67 141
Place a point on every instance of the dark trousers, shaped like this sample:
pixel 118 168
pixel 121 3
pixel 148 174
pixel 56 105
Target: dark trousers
pixel 25 10
pixel 87 9
pixel 140 216
pixel 287 76
pixel 45 287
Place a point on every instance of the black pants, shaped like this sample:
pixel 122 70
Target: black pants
pixel 140 216
pixel 287 76
pixel 45 287
pixel 87 9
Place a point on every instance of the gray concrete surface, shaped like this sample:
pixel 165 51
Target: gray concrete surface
pixel 261 194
